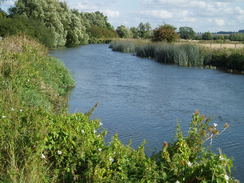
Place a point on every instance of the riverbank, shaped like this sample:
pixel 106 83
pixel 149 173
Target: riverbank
pixel 190 55
pixel 41 142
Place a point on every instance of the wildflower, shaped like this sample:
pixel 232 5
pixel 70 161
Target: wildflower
pixel 82 131
pixel 98 135
pixel 221 158
pixel 189 164
pixel 12 109
pixel 59 152
pixel 20 110
pixel 100 149
pixel 3 117
pixel 100 123
pixel 177 181
pixel 95 131
pixel 227 178
pixel 43 156
pixel 215 125
pixel 111 159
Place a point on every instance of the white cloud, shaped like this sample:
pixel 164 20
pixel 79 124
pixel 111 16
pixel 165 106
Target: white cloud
pixel 219 22
pixel 163 14
pixel 111 13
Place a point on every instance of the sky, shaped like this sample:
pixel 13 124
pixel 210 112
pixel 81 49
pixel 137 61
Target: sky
pixel 201 15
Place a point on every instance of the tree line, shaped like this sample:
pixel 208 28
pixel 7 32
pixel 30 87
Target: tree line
pixel 54 21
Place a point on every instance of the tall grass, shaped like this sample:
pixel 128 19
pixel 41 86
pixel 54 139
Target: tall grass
pixel 184 54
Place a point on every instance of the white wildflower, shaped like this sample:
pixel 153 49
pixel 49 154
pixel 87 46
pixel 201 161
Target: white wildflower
pixel 100 149
pixel 98 135
pixel 177 181
pixel 12 109
pixel 101 124
pixel 3 117
pixel 59 152
pixel 221 158
pixel 95 131
pixel 82 131
pixel 20 110
pixel 227 178
pixel 43 156
pixel 111 159
pixel 189 164
pixel 215 125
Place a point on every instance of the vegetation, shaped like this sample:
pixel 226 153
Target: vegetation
pixel 207 36
pixel 185 54
pixel 23 25
pixel 41 142
pixel 123 31
pixel 186 33
pixel 65 27
pixel 165 33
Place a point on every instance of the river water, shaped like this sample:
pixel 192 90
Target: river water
pixel 141 99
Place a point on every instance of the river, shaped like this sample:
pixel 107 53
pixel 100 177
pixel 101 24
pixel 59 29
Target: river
pixel 141 99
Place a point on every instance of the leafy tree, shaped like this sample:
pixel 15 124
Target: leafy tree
pixel 135 32
pixel 123 31
pixel 165 33
pixel 65 24
pixel 237 37
pixel 144 30
pixel 186 33
pixel 207 36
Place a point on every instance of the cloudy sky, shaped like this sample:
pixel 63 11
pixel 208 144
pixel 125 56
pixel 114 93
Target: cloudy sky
pixel 202 15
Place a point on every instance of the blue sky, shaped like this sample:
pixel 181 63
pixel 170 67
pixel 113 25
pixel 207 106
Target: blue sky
pixel 201 15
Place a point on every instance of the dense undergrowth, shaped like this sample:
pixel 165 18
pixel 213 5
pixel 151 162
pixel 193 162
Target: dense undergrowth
pixel 41 142
pixel 185 54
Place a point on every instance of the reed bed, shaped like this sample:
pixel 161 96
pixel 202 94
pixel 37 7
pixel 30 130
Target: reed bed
pixel 188 55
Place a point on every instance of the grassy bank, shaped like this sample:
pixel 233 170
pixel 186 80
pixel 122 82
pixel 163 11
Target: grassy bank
pixel 41 142
pixel 185 54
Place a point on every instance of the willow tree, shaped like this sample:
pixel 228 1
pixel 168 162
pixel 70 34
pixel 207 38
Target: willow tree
pixel 56 15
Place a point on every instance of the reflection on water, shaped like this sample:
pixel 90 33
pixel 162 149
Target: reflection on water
pixel 141 99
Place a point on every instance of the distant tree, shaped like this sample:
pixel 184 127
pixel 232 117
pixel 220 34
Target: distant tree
pixel 207 36
pixel 165 33
pixel 123 31
pixel 135 32
pixel 186 33
pixel 237 37
pixel 144 30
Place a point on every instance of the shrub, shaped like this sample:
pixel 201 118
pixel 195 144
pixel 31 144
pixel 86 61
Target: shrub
pixel 165 33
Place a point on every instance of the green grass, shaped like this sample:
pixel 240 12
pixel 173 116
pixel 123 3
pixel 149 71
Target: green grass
pixel 41 142
pixel 184 54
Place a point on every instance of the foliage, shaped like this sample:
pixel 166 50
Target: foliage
pixel 135 32
pixel 31 27
pixel 165 33
pixel 39 143
pixel 186 33
pixel 123 31
pixel 207 36
pixel 144 30
pixel 237 37
pixel 97 33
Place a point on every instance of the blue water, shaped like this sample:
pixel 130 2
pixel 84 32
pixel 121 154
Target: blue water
pixel 141 99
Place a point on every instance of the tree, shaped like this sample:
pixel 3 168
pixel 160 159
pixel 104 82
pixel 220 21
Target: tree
pixel 165 33
pixel 123 31
pixel 144 30
pixel 135 32
pixel 207 36
pixel 186 33
pixel 65 24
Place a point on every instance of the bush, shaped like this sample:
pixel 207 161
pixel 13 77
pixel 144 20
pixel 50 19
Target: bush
pixel 165 33
pixel 30 27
